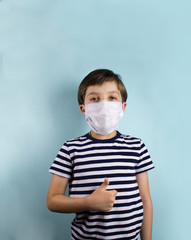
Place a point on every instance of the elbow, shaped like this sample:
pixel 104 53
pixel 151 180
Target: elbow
pixel 52 204
pixel 146 199
pixel 49 204
pixel 147 202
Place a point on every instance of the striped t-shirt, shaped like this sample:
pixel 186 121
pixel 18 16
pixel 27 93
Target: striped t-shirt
pixel 86 162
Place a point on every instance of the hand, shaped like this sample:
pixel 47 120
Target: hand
pixel 101 199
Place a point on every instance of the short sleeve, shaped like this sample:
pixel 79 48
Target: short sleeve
pixel 62 165
pixel 145 163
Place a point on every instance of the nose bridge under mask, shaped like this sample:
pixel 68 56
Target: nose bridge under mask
pixel 103 117
pixel 103 106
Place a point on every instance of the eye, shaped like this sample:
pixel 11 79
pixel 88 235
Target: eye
pixel 112 98
pixel 94 99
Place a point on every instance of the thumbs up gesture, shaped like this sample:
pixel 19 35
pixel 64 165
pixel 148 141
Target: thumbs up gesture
pixel 102 199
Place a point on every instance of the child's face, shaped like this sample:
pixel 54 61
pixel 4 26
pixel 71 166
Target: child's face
pixel 107 91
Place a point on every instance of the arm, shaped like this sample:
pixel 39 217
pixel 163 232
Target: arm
pixel 100 199
pixel 146 230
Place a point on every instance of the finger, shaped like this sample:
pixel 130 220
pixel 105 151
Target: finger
pixel 114 192
pixel 105 183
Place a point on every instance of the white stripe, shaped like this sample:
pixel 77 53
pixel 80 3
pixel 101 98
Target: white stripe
pixel 62 168
pixel 128 194
pixel 62 161
pixel 63 155
pixel 127 208
pixel 144 162
pixel 145 155
pixel 110 164
pixel 101 180
pixel 127 200
pixel 59 173
pixel 112 216
pixel 104 172
pixel 72 142
pixel 144 169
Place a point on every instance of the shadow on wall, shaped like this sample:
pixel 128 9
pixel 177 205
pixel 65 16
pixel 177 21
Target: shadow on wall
pixel 68 123
pixel 56 118
pixel 65 113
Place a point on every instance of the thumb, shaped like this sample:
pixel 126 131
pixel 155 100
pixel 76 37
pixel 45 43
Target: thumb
pixel 105 183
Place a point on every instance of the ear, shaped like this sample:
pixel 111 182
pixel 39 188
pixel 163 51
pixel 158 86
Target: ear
pixel 124 105
pixel 82 109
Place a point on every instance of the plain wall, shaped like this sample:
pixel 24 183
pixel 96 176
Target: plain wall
pixel 46 49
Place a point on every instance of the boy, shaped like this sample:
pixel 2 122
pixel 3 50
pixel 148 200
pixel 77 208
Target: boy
pixel 106 171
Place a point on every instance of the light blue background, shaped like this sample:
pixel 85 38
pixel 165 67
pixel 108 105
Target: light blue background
pixel 46 48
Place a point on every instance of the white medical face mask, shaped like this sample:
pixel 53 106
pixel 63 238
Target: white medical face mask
pixel 103 117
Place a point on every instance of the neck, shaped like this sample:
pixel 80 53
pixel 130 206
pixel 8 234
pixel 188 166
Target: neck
pixel 102 137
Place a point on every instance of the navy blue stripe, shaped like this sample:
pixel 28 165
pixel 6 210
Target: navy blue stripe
pixel 142 153
pixel 87 192
pixel 127 204
pixel 108 148
pixel 104 220
pixel 142 145
pixel 106 161
pixel 97 184
pixel 127 197
pixel 59 170
pixel 64 150
pixel 143 165
pixel 128 142
pixel 63 158
pixel 146 157
pixel 110 227
pixel 83 142
pixel 97 169
pixel 62 164
pixel 112 212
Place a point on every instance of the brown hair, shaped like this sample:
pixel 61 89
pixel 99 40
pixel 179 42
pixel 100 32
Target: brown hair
pixel 98 77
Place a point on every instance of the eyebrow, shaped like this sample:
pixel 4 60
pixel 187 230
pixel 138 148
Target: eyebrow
pixel 92 93
pixel 114 92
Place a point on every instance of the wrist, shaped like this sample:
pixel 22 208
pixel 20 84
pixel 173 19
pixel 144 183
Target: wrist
pixel 88 202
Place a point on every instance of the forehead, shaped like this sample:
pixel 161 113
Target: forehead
pixel 106 87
